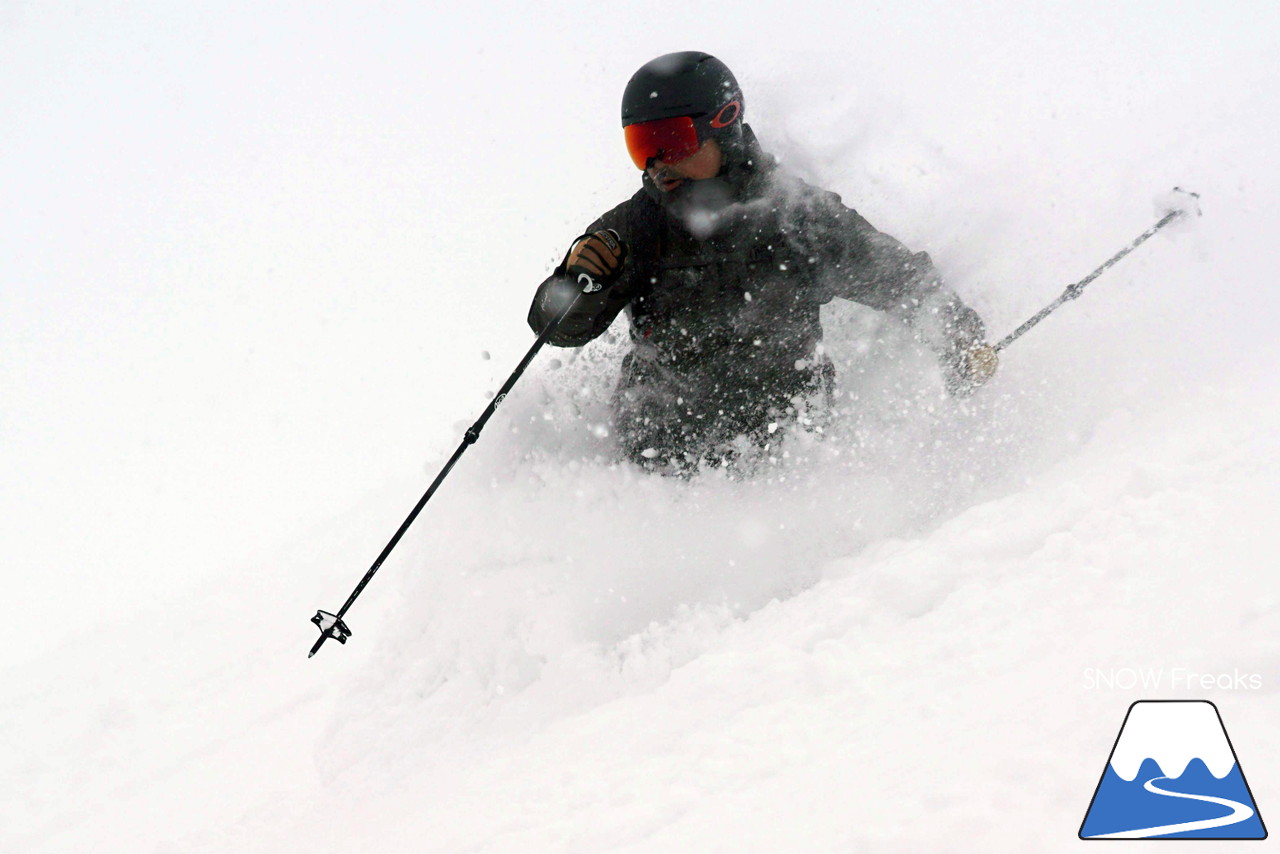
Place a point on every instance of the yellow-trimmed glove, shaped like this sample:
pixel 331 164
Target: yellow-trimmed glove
pixel 971 369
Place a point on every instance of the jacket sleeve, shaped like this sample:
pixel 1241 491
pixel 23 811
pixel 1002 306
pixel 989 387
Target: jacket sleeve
pixel 867 266
pixel 593 313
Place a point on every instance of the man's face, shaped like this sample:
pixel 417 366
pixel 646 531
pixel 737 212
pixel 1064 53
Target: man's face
pixel 703 164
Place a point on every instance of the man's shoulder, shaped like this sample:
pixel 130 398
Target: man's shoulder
pixel 633 219
pixel 620 210
pixel 802 202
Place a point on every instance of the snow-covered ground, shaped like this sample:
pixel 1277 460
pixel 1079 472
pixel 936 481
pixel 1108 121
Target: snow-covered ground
pixel 253 262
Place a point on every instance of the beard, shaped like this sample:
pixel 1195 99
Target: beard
pixel 702 207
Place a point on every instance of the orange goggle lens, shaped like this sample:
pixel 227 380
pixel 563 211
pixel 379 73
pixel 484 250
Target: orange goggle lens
pixel 669 140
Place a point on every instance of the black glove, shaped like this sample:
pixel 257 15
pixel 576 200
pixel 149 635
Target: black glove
pixel 595 260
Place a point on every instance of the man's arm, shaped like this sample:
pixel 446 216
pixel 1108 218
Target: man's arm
pixel 594 312
pixel 863 264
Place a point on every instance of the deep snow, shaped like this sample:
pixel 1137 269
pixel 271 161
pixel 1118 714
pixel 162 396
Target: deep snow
pixel 252 281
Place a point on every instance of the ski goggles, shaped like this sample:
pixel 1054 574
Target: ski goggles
pixel 668 140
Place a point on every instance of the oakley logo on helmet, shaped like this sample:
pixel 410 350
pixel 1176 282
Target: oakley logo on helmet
pixel 733 109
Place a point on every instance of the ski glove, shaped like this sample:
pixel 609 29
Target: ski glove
pixel 595 260
pixel 971 369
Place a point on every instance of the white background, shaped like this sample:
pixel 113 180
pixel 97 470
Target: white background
pixel 252 257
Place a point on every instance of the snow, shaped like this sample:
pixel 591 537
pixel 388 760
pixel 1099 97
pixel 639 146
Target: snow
pixel 263 266
pixel 1172 734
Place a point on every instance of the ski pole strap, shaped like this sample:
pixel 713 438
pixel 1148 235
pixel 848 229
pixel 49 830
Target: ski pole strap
pixel 1074 290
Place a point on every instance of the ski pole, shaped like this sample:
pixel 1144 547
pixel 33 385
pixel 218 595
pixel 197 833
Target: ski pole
pixel 1073 291
pixel 331 625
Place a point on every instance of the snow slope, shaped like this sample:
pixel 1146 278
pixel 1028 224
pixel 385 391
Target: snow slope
pixel 885 641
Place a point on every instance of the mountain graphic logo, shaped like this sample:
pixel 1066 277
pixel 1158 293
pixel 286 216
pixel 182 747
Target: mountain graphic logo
pixel 1173 774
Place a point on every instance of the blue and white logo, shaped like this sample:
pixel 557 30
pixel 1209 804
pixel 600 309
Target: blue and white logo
pixel 1173 774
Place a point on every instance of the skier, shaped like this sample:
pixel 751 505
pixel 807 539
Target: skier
pixel 721 262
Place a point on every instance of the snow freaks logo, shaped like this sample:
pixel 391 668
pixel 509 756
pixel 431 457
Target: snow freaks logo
pixel 1173 774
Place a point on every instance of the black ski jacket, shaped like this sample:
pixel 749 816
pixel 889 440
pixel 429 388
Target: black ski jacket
pixel 723 303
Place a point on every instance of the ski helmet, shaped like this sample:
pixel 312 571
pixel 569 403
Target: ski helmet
pixel 675 102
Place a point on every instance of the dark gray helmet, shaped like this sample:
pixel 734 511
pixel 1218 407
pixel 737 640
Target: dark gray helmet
pixel 689 83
